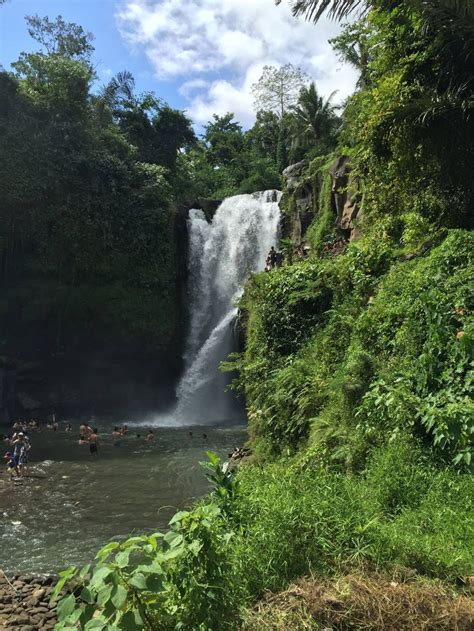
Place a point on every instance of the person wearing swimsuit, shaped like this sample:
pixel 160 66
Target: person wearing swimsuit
pixel 94 442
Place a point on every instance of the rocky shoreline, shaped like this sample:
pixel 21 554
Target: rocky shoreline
pixel 24 603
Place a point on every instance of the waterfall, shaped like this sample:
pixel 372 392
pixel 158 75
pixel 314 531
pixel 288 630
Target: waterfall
pixel 222 254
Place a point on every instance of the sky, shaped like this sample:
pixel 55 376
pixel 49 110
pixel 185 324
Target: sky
pixel 201 56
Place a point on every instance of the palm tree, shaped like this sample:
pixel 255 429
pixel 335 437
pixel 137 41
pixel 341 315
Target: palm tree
pixel 340 9
pixel 314 118
pixel 119 87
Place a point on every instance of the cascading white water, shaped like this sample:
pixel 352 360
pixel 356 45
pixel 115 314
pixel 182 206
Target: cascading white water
pixel 222 254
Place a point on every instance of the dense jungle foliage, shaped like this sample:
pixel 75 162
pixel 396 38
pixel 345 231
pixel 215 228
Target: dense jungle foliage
pixel 358 369
pixel 95 184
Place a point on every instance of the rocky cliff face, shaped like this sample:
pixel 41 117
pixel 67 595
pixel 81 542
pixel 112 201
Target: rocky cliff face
pixel 307 196
pixel 346 198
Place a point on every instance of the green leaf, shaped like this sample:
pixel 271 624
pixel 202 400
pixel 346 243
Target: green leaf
pixel 74 617
pixel 106 550
pixel 119 596
pixel 172 553
pixel 213 458
pixel 122 558
pixel 86 596
pixel 64 576
pixel 85 570
pixel 99 576
pixel 94 624
pixel 195 546
pixel 104 595
pixel 66 607
pixel 133 541
pixel 131 621
pixel 178 517
pixel 138 581
pixel 173 539
pixel 151 568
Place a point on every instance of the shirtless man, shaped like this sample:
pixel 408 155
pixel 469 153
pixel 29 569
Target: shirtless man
pixel 150 436
pixel 85 431
pixel 93 442
pixel 116 437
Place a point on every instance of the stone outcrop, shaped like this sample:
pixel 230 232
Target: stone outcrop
pixel 301 192
pixel 303 200
pixel 346 198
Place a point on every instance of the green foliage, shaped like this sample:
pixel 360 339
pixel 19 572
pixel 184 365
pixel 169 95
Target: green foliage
pixel 415 99
pixel 351 355
pixel 282 521
pixel 314 121
pixel 176 580
pixel 321 230
pixel 86 226
pixel 301 519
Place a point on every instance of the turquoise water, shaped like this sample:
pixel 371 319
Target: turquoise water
pixel 71 503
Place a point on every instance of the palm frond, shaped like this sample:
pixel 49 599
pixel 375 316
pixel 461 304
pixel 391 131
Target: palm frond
pixel 336 9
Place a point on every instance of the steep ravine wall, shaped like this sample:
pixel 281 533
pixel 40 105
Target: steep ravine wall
pixel 123 369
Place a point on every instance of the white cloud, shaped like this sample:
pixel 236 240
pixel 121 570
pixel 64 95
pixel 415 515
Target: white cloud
pixel 188 87
pixel 219 48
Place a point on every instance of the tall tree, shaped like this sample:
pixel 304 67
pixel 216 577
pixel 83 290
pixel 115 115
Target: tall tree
pixel 278 88
pixel 314 118
pixel 58 37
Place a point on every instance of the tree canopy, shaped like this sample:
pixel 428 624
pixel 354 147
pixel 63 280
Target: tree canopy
pixel 278 88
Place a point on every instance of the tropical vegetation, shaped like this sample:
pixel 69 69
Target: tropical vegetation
pixel 358 366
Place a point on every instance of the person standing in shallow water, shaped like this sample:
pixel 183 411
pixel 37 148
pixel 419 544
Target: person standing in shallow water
pixel 94 443
pixel 116 437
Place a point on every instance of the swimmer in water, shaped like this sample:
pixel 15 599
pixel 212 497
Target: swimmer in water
pixel 85 431
pixel 150 436
pixel 94 442
pixel 116 437
pixel 124 429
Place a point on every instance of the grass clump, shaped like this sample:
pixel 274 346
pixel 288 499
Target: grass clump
pixel 298 517
pixel 361 602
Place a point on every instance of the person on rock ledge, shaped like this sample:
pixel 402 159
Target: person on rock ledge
pixel 272 255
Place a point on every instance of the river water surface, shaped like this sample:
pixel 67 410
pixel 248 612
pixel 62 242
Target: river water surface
pixel 72 503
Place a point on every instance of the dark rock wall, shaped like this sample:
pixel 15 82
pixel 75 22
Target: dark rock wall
pixel 302 200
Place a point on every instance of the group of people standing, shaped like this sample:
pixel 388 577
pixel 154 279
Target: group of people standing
pixel 274 259
pixel 17 460
pixel 18 442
